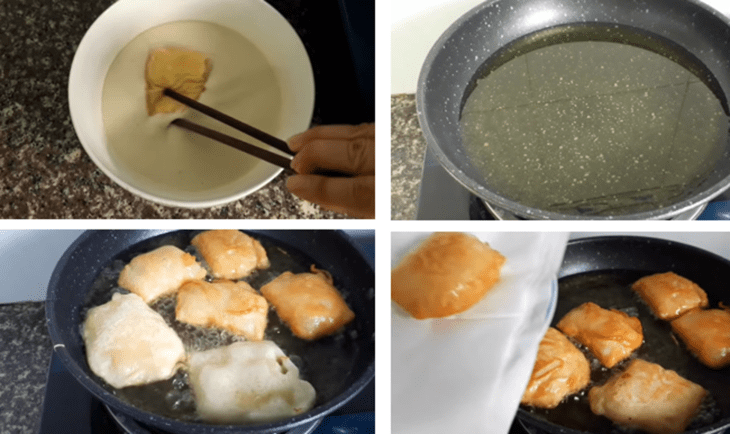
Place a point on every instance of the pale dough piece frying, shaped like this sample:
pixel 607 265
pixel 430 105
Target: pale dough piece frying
pixel 611 335
pixel 160 272
pixel 707 335
pixel 232 306
pixel 128 343
pixel 669 295
pixel 182 70
pixel 447 274
pixel 308 303
pixel 560 370
pixel 648 397
pixel 248 382
pixel 231 254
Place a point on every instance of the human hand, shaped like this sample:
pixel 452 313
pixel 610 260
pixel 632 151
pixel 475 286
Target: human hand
pixel 347 149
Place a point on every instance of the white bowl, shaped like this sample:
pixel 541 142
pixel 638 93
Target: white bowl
pixel 256 20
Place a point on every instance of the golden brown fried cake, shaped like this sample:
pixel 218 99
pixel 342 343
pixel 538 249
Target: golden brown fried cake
pixel 184 71
pixel 308 303
pixel 669 295
pixel 160 272
pixel 128 343
pixel 560 370
pixel 611 335
pixel 232 306
pixel 447 274
pixel 707 335
pixel 648 397
pixel 230 254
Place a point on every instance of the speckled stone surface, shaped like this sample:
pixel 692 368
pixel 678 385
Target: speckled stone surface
pixel 408 148
pixel 44 171
pixel 25 351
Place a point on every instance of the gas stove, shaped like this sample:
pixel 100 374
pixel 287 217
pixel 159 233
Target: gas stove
pixel 443 198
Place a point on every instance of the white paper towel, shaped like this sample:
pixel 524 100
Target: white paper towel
pixel 466 373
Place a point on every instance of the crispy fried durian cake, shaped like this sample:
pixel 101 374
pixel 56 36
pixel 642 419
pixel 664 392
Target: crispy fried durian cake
pixel 648 397
pixel 308 303
pixel 447 274
pixel 669 295
pixel 248 382
pixel 232 306
pixel 610 335
pixel 182 70
pixel 128 343
pixel 560 370
pixel 160 272
pixel 707 335
pixel 231 254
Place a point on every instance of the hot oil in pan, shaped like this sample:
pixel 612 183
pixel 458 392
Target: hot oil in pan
pixel 612 290
pixel 326 363
pixel 568 121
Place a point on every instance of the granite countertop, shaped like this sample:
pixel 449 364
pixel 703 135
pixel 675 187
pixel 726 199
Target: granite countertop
pixel 408 148
pixel 25 351
pixel 44 171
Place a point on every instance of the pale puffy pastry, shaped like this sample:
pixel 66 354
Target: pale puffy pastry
pixel 160 272
pixel 308 303
pixel 248 382
pixel 560 370
pixel 230 254
pixel 447 274
pixel 128 343
pixel 648 397
pixel 232 306
pixel 707 335
pixel 610 335
pixel 182 70
pixel 669 295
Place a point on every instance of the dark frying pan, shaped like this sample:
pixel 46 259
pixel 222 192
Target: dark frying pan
pixel 699 33
pixel 334 251
pixel 601 270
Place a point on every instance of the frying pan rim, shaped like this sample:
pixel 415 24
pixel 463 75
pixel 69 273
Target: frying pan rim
pixel 481 190
pixel 583 241
pixel 106 397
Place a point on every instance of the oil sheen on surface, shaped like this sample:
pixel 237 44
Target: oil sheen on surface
pixel 592 127
pixel 241 84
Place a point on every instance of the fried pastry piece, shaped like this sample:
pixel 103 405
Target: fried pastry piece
pixel 184 71
pixel 128 343
pixel 232 306
pixel 447 274
pixel 160 272
pixel 611 335
pixel 230 254
pixel 308 303
pixel 707 335
pixel 648 397
pixel 669 295
pixel 248 382
pixel 560 370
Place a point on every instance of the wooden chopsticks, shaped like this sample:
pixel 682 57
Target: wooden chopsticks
pixel 254 150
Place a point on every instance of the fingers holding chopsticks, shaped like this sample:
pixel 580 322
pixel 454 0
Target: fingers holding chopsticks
pixel 338 149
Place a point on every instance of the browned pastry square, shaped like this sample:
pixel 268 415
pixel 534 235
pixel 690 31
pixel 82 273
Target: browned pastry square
pixel 160 272
pixel 648 397
pixel 447 274
pixel 308 303
pixel 610 335
pixel 182 70
pixel 560 370
pixel 707 335
pixel 669 295
pixel 231 254
pixel 232 306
